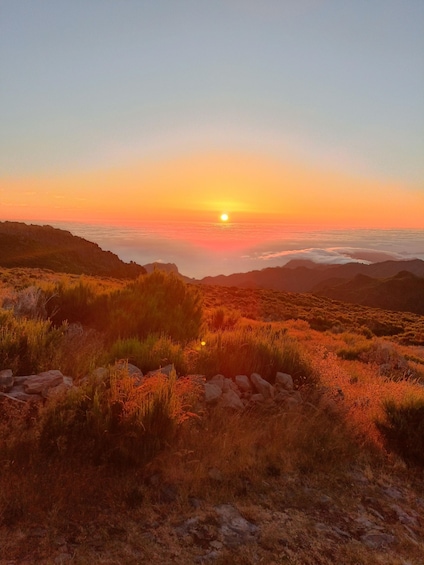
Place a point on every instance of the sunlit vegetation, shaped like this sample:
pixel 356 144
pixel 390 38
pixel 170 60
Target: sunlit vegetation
pixel 104 443
pixel 253 349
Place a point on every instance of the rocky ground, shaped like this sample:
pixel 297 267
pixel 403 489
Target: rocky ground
pixel 357 518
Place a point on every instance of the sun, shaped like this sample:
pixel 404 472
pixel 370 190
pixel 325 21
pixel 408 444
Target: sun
pixel 224 217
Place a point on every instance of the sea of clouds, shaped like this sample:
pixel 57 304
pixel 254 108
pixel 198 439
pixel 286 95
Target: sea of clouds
pixel 203 249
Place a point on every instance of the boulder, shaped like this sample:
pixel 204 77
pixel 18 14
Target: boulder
pixel 231 399
pixel 212 393
pixel 133 371
pixel 218 380
pixel 61 388
pixel 234 529
pixel 242 381
pixel 6 380
pixel 262 386
pixel 167 370
pixel 257 399
pixel 38 384
pixel 17 393
pixel 284 380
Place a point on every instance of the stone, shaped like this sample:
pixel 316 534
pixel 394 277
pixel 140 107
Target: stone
pixel 132 370
pixel 284 380
pixel 235 530
pixel 6 380
pixel 61 388
pixel 218 380
pixel 377 540
pixel 100 374
pixel 262 386
pixel 290 401
pixel 257 398
pixel 242 381
pixel 166 370
pixel 231 400
pixel 38 384
pixel 212 393
pixel 17 393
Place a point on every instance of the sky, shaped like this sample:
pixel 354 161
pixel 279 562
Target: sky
pixel 130 111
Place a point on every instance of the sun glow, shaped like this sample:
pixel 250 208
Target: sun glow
pixel 224 217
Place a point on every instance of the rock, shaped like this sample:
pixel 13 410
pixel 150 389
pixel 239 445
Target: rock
pixel 38 384
pixel 405 518
pixel 242 381
pixel 17 393
pixel 212 393
pixel 257 399
pixel 262 386
pixel 100 374
pixel 61 388
pixel 231 399
pixel 6 380
pixel 235 530
pixel 132 370
pixel 288 400
pixel 284 380
pixel 377 540
pixel 218 380
pixel 167 370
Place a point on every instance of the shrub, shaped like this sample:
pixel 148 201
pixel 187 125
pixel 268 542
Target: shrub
pixel 247 350
pixel 149 354
pixel 116 420
pixel 158 303
pixel 222 318
pixel 28 346
pixel 403 429
pixel 82 302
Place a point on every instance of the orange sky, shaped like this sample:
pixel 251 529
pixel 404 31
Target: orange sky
pixel 201 186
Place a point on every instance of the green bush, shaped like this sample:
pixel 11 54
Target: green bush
pixel 403 429
pixel 77 302
pixel 158 303
pixel 245 351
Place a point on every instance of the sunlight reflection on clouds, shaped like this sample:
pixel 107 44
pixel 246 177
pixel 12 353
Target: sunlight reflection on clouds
pixel 206 248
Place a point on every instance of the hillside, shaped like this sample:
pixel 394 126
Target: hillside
pixel 307 277
pixel 45 247
pixel 106 460
pixel 403 292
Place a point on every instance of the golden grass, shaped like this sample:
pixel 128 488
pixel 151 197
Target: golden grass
pixel 278 468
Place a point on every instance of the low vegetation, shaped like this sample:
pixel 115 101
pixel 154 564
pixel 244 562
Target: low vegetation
pixel 118 446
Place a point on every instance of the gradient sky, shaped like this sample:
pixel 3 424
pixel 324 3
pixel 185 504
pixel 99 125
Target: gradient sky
pixel 302 110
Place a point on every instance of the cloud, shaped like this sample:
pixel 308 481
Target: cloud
pixel 333 255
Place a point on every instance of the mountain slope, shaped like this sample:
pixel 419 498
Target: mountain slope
pixel 304 278
pixel 45 247
pixel 402 292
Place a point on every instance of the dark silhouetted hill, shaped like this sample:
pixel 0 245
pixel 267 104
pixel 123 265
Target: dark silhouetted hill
pixel 306 276
pixel 45 247
pixel 403 292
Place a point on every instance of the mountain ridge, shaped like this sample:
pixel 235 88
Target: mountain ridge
pixel 29 245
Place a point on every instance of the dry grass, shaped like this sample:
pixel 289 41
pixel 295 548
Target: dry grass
pixel 296 475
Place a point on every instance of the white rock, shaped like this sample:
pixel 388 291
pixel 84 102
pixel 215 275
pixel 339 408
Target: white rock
pixel 37 384
pixel 284 380
pixel 262 386
pixel 218 380
pixel 212 393
pixel 242 381
pixel 231 399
